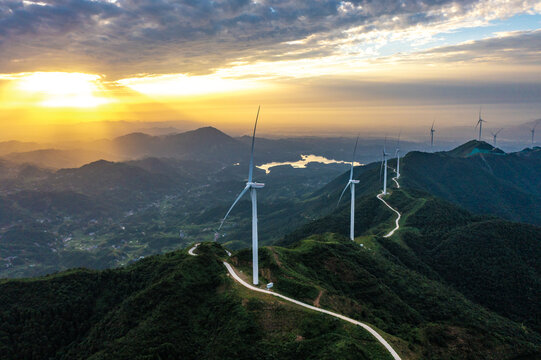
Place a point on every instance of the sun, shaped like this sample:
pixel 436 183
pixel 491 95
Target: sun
pixel 60 89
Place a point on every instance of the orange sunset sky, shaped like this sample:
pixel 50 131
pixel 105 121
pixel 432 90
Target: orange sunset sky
pixel 316 67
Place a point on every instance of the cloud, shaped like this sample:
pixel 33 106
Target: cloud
pixel 425 92
pixel 509 48
pixel 126 37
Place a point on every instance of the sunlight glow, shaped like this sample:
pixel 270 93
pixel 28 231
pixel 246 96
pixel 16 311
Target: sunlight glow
pixel 58 89
pixel 184 85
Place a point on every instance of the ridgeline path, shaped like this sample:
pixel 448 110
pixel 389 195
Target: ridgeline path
pixel 300 303
pixel 380 197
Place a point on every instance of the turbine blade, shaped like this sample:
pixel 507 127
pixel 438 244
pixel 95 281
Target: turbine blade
pixel 353 160
pixel 250 172
pixel 234 203
pixel 342 194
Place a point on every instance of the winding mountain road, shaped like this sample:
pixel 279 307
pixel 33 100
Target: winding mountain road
pixel 300 303
pixel 191 251
pixel 380 197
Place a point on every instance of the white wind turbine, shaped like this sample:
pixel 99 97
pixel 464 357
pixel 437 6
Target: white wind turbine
pixel 384 165
pixel 397 154
pixel 495 135
pixel 252 186
pixel 480 124
pixel 351 183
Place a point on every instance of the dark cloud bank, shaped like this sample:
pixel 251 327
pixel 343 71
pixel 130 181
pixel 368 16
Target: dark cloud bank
pixel 162 36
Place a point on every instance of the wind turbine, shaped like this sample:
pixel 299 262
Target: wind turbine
pixel 252 186
pixel 432 131
pixel 397 154
pixel 495 135
pixel 384 164
pixel 480 124
pixel 533 131
pixel 351 183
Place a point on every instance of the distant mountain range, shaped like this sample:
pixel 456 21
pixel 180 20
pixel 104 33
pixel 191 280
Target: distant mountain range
pixel 481 179
pixel 56 159
pixel 196 194
pixel 203 144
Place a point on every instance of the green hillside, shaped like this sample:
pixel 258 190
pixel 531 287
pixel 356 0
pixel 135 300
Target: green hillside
pixel 482 264
pixel 481 179
pixel 493 262
pixel 370 284
pixel 447 285
pixel 170 306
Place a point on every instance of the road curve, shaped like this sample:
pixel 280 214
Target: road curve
pixel 191 251
pixel 380 197
pixel 300 303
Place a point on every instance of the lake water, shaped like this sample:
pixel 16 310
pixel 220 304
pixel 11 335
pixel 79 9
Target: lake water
pixel 305 159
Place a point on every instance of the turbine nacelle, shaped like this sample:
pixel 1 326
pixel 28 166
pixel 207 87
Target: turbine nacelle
pixel 255 185
pixel 354 181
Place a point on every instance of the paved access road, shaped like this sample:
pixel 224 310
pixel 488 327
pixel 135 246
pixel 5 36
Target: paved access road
pixel 380 197
pixel 300 303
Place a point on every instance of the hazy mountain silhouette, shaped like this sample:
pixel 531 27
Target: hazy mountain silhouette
pixel 54 158
pixel 12 146
pixel 206 143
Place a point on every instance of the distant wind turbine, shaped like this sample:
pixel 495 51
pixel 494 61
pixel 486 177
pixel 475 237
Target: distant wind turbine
pixel 432 131
pixel 533 131
pixel 252 186
pixel 351 183
pixel 480 124
pixel 397 154
pixel 495 135
pixel 384 165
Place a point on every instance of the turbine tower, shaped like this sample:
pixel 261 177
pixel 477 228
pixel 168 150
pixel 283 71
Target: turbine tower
pixel 480 124
pixel 252 186
pixel 397 154
pixel 495 135
pixel 384 164
pixel 533 131
pixel 432 131
pixel 351 183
